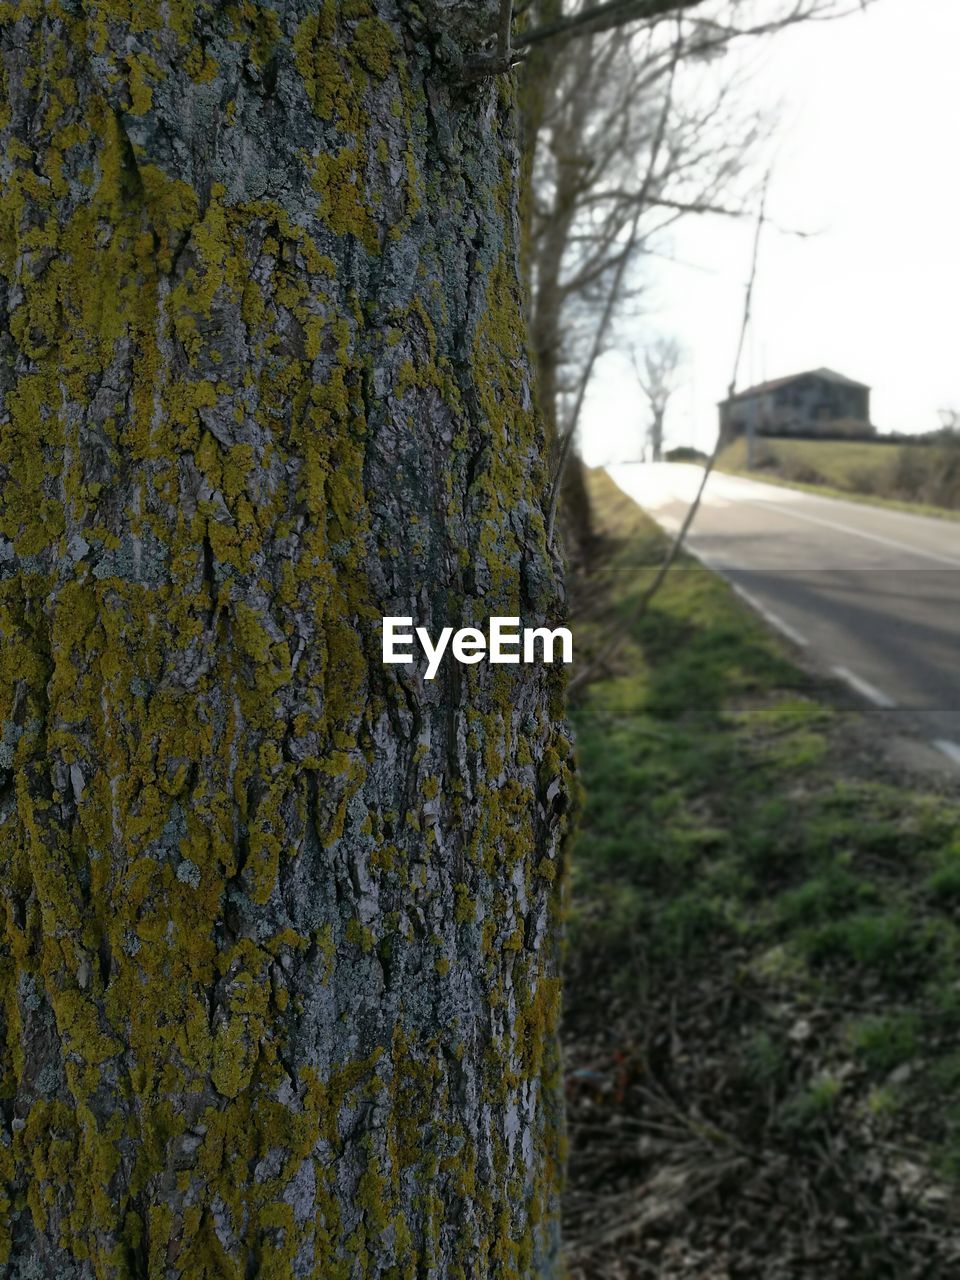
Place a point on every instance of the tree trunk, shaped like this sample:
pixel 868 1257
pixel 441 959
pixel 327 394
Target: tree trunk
pixel 545 254
pixel 656 435
pixel 279 965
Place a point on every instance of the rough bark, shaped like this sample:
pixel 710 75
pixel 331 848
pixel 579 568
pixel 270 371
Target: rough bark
pixel 278 965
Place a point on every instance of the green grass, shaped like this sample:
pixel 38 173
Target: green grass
pixel 871 940
pixel 765 1061
pixel 731 836
pixel 884 1043
pixel 824 897
pixel 810 1106
pixel 944 883
pixel 839 463
pixel 855 470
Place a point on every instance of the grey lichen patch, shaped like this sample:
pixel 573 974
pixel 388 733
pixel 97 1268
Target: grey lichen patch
pixel 9 737
pixel 137 559
pixel 189 873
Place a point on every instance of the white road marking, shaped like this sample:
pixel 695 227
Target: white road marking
pixel 781 501
pixel 773 619
pixel 864 688
pixel 860 533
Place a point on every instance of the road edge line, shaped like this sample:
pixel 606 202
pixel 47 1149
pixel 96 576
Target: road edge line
pixel 773 619
pixel 865 688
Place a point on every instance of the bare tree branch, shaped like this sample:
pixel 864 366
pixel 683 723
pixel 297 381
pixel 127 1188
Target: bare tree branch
pixel 643 603
pixel 614 289
pixel 504 30
pixel 616 13
pixel 657 379
pixel 591 118
pixel 603 17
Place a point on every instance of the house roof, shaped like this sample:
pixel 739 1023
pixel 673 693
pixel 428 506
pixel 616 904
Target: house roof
pixel 829 375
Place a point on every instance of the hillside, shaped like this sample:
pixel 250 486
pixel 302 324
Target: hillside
pixel 918 475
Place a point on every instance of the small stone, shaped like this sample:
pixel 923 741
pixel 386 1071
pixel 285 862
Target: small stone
pixel 901 1074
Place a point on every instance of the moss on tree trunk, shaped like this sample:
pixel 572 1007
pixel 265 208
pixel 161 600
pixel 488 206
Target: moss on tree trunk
pixel 278 966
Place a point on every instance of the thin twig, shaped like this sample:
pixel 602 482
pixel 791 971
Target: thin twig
pixel 643 603
pixel 748 296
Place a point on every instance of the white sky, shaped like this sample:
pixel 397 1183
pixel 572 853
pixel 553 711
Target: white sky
pixel 866 155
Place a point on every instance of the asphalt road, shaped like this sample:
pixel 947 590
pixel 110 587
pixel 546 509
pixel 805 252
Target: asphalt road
pixel 872 595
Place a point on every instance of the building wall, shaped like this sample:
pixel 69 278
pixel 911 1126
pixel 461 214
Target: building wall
pixel 806 404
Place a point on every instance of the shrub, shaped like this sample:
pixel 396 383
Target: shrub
pixel 765 457
pixel 867 480
pixel 801 472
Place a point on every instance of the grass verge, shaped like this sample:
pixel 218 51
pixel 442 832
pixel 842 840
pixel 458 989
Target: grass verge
pixel 763 994
pixel 852 470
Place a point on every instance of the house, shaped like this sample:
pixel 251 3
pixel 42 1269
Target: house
pixel 817 403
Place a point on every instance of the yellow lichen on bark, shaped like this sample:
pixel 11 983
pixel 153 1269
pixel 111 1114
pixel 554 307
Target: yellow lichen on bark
pixel 277 961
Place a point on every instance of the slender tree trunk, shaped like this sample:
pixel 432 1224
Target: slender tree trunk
pixel 546 295
pixel 278 961
pixel 656 435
